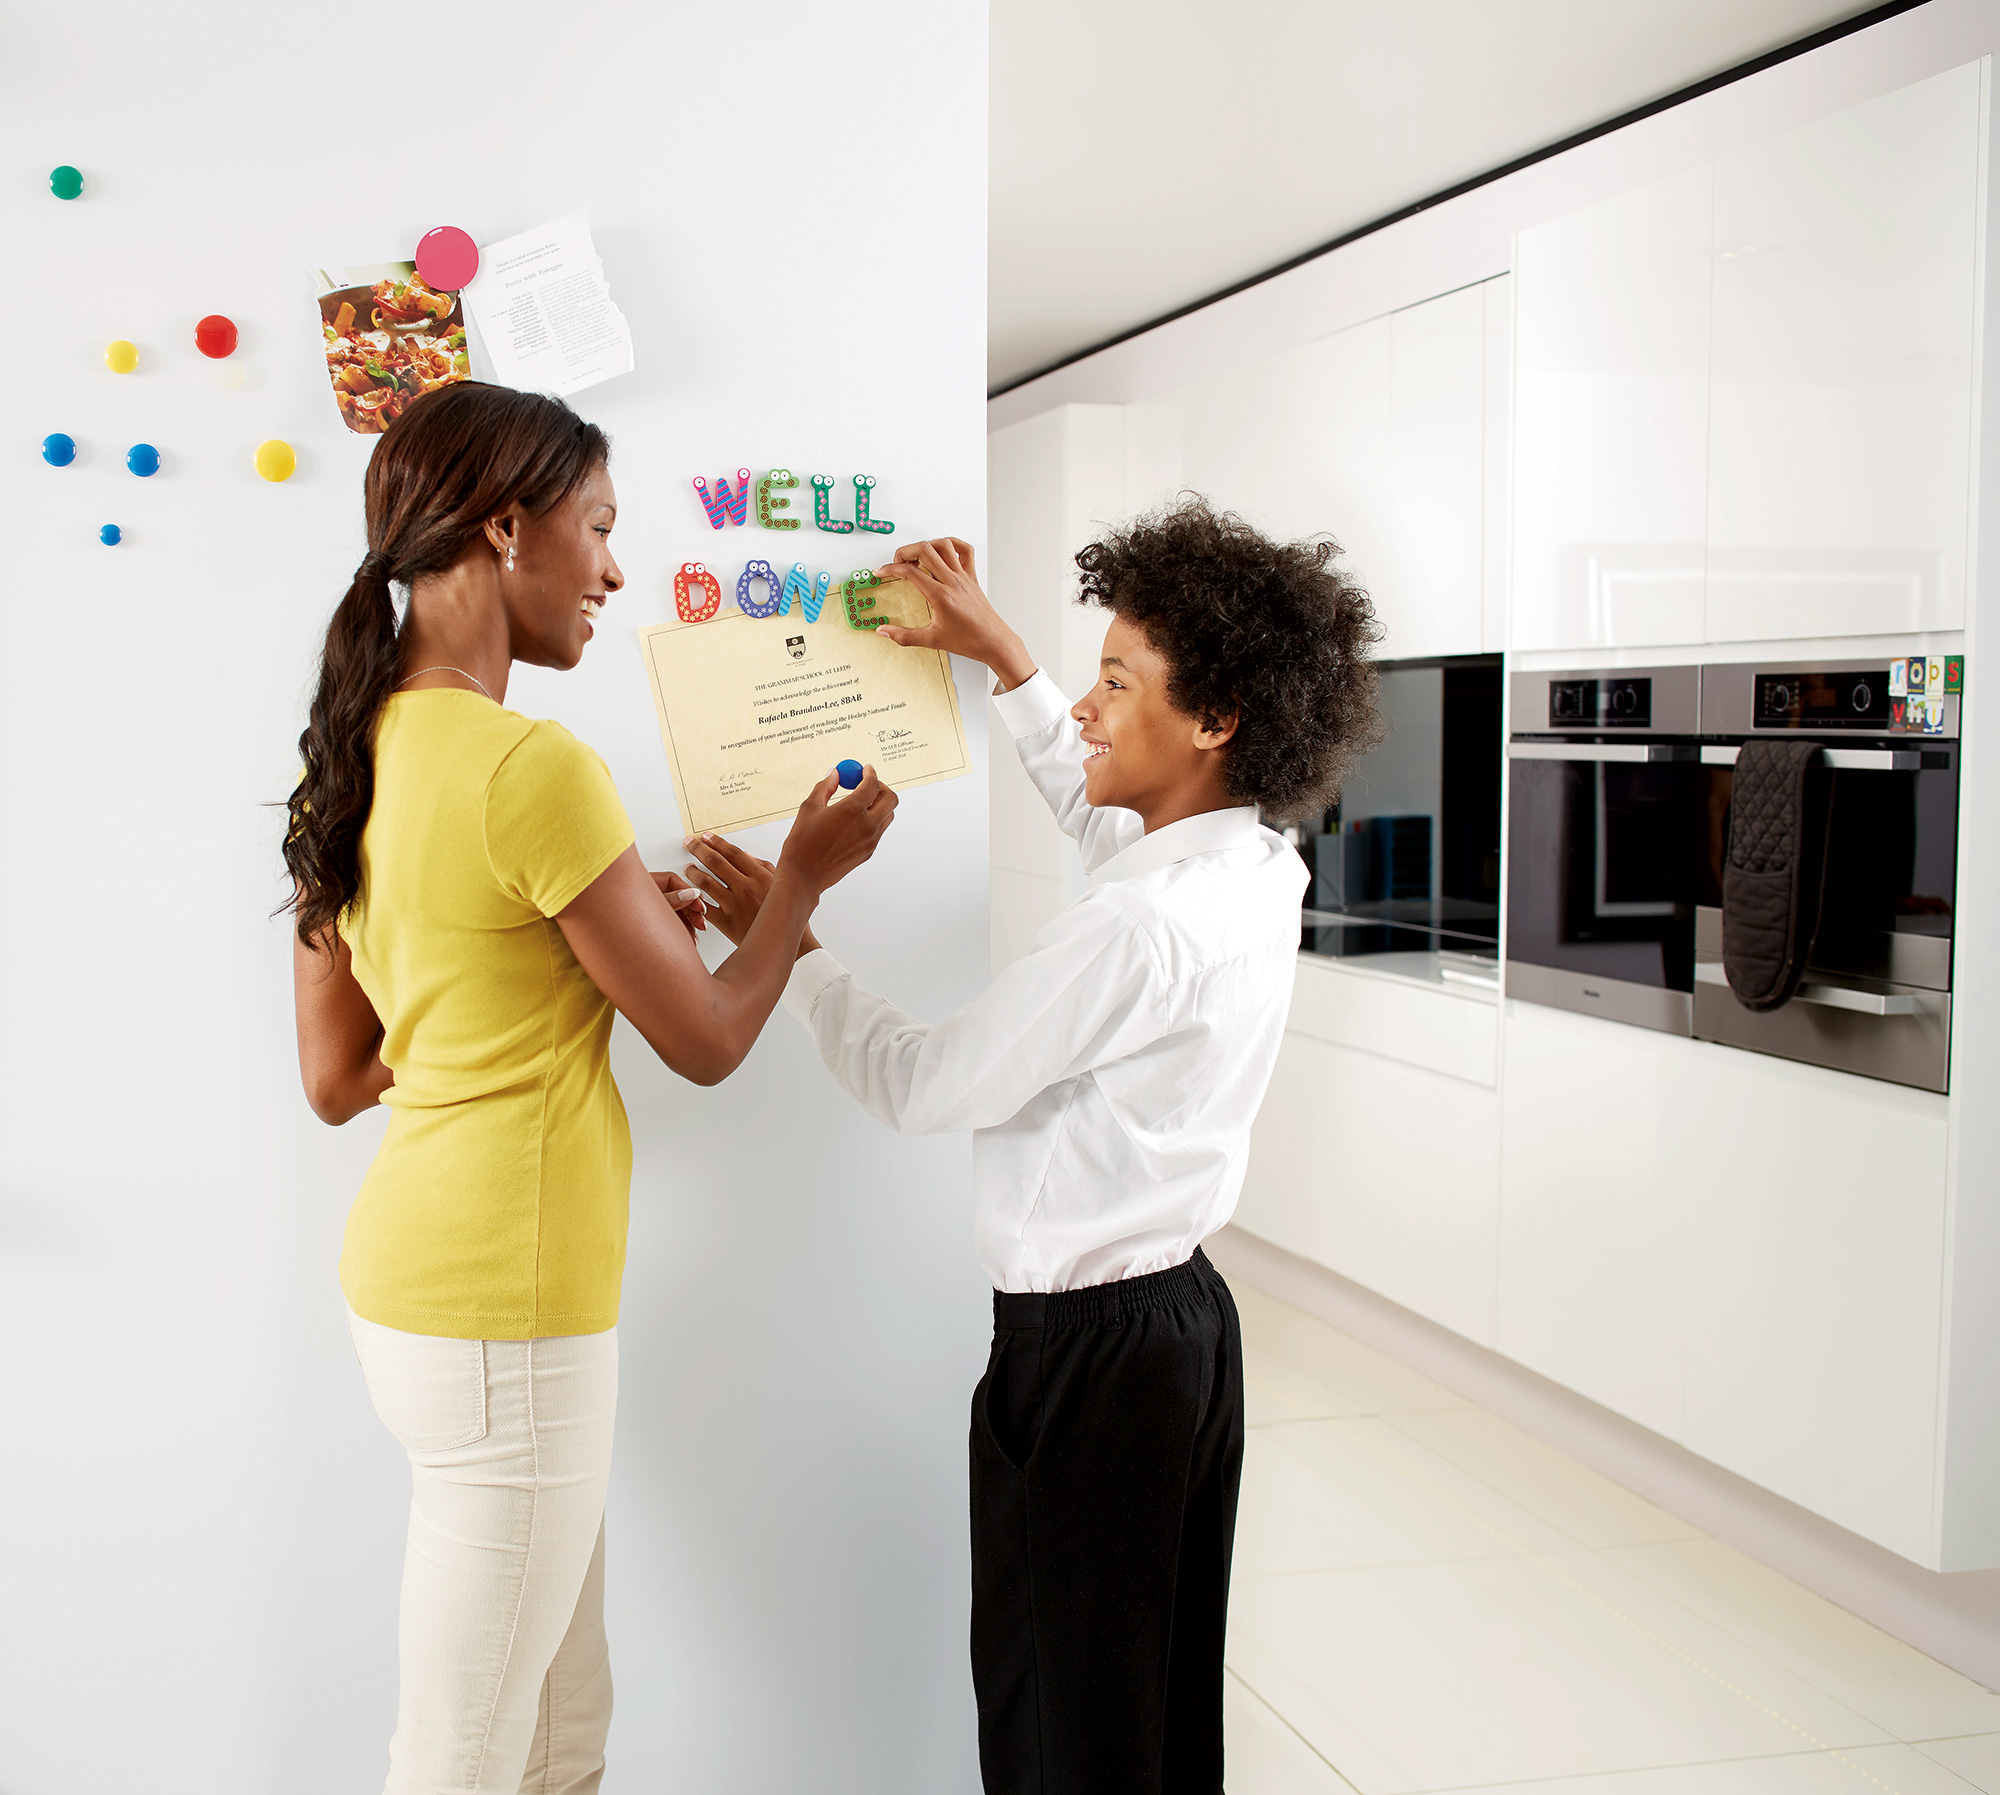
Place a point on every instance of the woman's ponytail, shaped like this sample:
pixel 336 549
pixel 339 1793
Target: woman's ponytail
pixel 458 455
pixel 329 807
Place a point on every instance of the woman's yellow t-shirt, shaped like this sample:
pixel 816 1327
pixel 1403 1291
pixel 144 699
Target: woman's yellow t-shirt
pixel 496 1208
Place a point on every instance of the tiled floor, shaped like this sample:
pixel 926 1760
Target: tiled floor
pixel 1428 1599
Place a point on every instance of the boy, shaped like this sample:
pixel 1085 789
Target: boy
pixel 1110 1079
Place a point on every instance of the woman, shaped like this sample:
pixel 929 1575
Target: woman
pixel 470 907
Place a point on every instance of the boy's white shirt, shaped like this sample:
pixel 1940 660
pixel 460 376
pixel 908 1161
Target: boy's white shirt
pixel 1109 1078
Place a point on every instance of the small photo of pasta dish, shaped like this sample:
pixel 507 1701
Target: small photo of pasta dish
pixel 386 341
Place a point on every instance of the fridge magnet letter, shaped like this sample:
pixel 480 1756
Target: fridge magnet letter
pixel 767 505
pixel 773 597
pixel 823 507
pixel 722 505
pixel 691 575
pixel 864 484
pixel 855 597
pixel 811 593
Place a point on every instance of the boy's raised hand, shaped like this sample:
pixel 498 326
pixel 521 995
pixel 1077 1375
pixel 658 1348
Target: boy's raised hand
pixel 963 620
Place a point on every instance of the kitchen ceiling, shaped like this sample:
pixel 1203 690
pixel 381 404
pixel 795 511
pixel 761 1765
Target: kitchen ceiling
pixel 1147 153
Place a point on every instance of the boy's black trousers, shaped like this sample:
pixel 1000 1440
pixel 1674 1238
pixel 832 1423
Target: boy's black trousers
pixel 1107 1447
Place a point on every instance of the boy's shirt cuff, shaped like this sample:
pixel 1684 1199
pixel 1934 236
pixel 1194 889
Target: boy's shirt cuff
pixel 1031 706
pixel 811 974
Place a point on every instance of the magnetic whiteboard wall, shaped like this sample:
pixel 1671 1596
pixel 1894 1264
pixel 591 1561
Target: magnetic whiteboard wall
pixel 200 1518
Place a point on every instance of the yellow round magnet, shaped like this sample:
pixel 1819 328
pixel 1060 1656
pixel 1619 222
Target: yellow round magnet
pixel 275 459
pixel 121 357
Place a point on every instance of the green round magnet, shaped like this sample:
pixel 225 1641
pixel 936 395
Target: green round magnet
pixel 65 182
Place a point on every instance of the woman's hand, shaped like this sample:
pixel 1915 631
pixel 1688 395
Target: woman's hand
pixel 963 620
pixel 734 882
pixel 686 902
pixel 831 838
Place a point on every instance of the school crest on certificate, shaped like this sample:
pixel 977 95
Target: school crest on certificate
pixel 754 711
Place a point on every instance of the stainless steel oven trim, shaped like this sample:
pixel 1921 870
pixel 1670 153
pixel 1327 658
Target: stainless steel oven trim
pixel 1620 751
pixel 1834 997
pixel 1676 699
pixel 1842 760
pixel 1616 1000
pixel 1728 696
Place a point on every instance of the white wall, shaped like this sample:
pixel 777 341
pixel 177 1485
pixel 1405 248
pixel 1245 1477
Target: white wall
pixel 200 1519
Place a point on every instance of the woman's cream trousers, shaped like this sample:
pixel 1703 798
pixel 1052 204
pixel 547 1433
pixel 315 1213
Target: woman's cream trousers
pixel 506 1682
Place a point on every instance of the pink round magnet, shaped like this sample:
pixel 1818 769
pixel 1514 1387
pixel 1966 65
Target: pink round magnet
pixel 447 259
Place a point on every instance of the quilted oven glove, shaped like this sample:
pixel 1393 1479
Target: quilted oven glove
pixel 1774 870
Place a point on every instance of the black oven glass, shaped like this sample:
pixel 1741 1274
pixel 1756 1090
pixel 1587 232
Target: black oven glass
pixel 1822 701
pixel 1607 861
pixel 1605 866
pixel 1409 860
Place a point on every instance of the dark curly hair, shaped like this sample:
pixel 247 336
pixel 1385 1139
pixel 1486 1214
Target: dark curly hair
pixel 1272 633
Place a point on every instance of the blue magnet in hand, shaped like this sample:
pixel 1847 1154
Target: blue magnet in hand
pixel 850 774
pixel 143 459
pixel 58 450
pixel 108 535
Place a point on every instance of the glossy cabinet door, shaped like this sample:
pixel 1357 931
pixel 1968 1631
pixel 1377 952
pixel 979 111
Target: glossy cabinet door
pixel 1611 344
pixel 1376 1152
pixel 1372 434
pixel 1840 408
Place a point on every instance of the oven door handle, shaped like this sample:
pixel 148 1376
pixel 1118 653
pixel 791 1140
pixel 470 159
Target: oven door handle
pixel 1832 997
pixel 1621 751
pixel 1842 760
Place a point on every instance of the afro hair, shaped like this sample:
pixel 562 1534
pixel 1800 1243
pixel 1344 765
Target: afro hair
pixel 1271 633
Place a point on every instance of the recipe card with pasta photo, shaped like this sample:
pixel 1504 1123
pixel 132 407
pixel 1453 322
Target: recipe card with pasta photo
pixel 755 711
pixel 387 338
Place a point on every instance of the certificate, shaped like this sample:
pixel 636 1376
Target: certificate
pixel 754 711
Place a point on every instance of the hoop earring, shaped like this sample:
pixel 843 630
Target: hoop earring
pixel 510 557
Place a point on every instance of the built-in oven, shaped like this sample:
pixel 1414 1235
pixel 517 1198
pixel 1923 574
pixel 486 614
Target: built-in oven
pixel 1406 866
pixel 1611 820
pixel 1875 996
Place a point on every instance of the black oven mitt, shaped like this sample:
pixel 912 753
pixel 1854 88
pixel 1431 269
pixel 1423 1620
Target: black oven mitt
pixel 1774 871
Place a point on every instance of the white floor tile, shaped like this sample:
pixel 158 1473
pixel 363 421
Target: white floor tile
pixel 1263 1756
pixel 1907 1694
pixel 1322 1495
pixel 1298 1367
pixel 1976 1760
pixel 1584 1504
pixel 1867 1770
pixel 1447 1676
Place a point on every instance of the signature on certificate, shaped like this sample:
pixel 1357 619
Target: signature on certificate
pixel 892 735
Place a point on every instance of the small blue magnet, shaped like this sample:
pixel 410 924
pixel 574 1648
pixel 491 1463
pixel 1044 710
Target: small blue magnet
pixel 58 450
pixel 850 774
pixel 143 459
pixel 109 535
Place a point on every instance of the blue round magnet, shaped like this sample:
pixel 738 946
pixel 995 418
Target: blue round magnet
pixel 58 450
pixel 108 535
pixel 143 459
pixel 850 774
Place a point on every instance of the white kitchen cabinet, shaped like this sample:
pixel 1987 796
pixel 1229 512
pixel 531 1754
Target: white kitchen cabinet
pixel 1814 1211
pixel 1840 400
pixel 1382 1168
pixel 1496 487
pixel 1592 1214
pixel 1377 435
pixel 1611 322
pixel 1738 1252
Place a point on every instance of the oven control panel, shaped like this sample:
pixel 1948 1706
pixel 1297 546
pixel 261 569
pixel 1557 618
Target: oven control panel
pixel 1914 696
pixel 1620 702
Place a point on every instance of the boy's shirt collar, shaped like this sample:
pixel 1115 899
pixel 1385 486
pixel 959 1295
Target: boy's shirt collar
pixel 1208 833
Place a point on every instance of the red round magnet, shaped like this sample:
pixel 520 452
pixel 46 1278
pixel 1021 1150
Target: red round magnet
pixel 447 259
pixel 215 336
